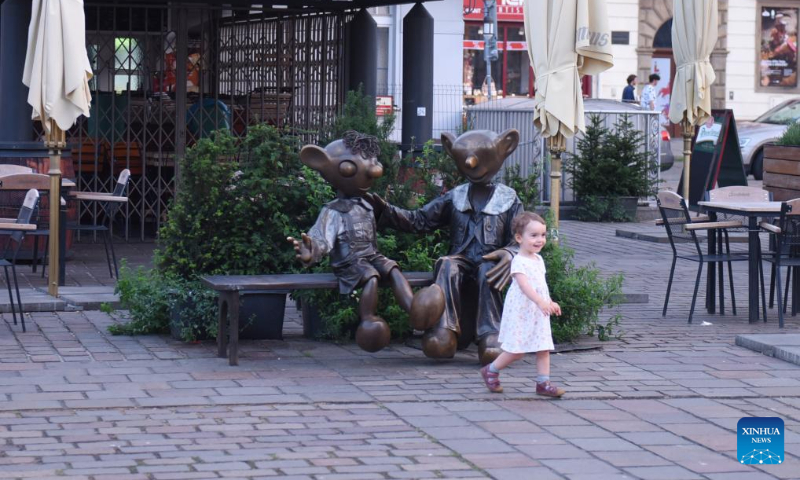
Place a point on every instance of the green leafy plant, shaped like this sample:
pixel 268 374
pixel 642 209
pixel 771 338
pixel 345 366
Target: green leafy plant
pixel 527 188
pixel 602 209
pixel 790 137
pixel 582 294
pixel 609 164
pixel 238 202
pixel 142 292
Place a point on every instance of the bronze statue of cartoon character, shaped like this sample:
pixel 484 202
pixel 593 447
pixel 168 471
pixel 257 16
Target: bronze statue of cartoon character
pixel 346 230
pixel 479 216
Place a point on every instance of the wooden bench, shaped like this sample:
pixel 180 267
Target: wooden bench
pixel 229 288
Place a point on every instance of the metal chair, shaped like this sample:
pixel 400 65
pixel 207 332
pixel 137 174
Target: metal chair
pixel 110 208
pixel 786 237
pixel 11 249
pixel 680 226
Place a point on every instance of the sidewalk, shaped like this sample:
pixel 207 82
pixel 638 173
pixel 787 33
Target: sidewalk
pixel 660 403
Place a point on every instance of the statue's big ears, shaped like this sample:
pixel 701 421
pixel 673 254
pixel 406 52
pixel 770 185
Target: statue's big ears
pixel 314 157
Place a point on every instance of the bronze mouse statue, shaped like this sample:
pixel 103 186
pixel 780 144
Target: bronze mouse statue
pixel 479 216
pixel 346 230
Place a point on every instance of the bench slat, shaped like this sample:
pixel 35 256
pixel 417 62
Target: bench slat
pixel 294 281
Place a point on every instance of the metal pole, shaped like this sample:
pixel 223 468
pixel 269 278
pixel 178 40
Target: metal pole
pixel 54 141
pixel 557 144
pixel 687 127
pixel 489 41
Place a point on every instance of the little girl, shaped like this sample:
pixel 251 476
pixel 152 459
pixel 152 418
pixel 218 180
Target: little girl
pixel 525 325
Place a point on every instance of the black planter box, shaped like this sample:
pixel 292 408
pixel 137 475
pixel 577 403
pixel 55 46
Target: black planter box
pixel 261 315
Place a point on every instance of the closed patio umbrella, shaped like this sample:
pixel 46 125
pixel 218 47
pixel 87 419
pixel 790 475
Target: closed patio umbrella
pixel 566 39
pixel 694 34
pixel 57 73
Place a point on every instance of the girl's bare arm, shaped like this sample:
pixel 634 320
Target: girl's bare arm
pixel 527 288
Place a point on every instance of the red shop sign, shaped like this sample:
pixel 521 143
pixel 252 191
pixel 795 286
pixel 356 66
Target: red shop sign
pixel 507 10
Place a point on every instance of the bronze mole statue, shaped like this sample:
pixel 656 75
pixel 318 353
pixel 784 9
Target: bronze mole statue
pixel 477 267
pixel 346 230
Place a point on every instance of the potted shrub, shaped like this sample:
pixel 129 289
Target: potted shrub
pixel 611 171
pixel 782 165
pixel 238 201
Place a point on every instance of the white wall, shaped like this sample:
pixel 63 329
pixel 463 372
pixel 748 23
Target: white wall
pixel 448 36
pixel 623 16
pixel 448 62
pixel 741 64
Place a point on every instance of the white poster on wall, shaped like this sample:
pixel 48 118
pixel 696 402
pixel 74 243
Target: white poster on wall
pixel 663 67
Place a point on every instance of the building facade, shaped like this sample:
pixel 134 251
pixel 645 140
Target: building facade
pixel 756 68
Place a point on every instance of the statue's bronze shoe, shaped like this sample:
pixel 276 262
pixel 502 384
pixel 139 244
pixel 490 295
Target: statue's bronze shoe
pixel 439 343
pixel 488 349
pixel 426 308
pixel 373 334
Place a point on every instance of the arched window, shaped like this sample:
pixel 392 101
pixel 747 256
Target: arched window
pixel 663 38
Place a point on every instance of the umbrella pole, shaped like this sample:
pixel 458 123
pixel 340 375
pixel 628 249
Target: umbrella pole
pixel 686 125
pixel 557 144
pixel 55 141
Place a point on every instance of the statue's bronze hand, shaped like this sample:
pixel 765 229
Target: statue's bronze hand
pixel 500 274
pixel 377 202
pixel 303 247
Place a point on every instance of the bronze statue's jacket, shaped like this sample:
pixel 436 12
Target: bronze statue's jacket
pixel 472 235
pixel 490 228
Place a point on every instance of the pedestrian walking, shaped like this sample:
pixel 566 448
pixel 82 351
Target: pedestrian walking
pixel 629 92
pixel 649 93
pixel 525 324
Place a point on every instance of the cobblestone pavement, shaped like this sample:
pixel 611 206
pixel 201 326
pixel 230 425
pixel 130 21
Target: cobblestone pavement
pixel 662 402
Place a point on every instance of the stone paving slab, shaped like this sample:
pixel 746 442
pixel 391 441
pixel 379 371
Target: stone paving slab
pixel 660 401
pixel 33 300
pixel 90 297
pixel 784 347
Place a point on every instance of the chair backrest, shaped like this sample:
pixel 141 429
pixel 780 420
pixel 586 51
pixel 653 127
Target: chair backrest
pixel 122 183
pixel 675 214
pixel 120 188
pixel 26 213
pixel 23 182
pixel 789 224
pixel 6 169
pixel 739 194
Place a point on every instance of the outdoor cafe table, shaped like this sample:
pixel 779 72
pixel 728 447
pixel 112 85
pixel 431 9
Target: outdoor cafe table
pixel 753 211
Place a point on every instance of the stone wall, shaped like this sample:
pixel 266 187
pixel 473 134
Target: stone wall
pixel 653 14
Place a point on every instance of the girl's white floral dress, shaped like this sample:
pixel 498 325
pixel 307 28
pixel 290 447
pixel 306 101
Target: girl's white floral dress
pixel 524 327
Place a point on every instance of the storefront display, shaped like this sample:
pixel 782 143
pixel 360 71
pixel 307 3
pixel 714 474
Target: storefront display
pixel 778 42
pixel 512 74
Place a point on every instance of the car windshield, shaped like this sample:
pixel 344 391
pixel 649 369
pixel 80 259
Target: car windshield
pixel 782 114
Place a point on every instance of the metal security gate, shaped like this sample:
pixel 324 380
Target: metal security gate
pixel 165 77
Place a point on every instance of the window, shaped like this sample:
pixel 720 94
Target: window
pixel 383 61
pixel 128 57
pixel 379 10
pixel 517 61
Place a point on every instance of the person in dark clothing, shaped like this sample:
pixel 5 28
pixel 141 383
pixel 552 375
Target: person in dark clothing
pixel 629 92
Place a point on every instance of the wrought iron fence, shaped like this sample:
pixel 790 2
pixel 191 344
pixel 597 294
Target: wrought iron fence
pixel 166 77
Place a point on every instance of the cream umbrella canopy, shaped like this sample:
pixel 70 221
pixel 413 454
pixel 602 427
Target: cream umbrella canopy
pixel 566 39
pixel 57 73
pixel 694 34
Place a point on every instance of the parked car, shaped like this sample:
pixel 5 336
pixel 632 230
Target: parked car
pixel 667 157
pixel 762 131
